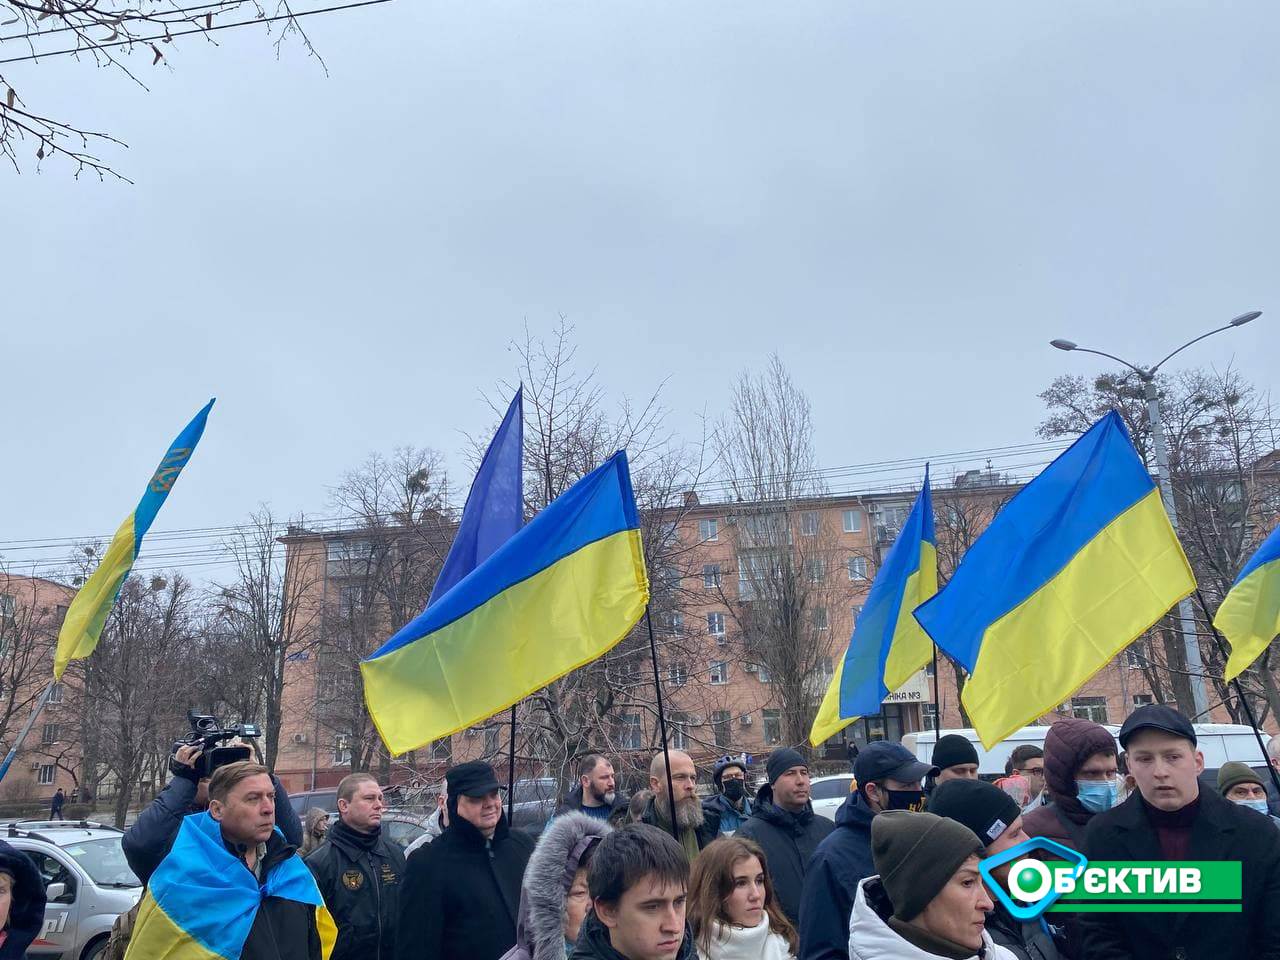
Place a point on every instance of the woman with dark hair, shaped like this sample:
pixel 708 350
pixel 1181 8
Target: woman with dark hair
pixel 732 910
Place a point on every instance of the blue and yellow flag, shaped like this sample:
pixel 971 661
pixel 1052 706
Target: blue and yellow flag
pixel 887 645
pixel 560 593
pixel 1249 615
pixel 89 610
pixel 1072 570
pixel 201 901
pixel 495 504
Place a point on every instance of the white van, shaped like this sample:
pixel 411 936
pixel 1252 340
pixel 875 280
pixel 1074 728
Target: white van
pixel 1220 742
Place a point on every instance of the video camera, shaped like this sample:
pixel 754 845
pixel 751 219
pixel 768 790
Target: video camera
pixel 207 732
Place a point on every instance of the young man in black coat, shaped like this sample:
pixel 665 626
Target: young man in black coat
pixel 461 893
pixel 1170 818
pixel 359 872
pixel 784 824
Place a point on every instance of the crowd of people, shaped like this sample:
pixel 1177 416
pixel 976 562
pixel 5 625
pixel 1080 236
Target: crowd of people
pixel 732 876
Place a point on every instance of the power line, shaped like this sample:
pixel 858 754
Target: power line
pixel 182 33
pixel 158 17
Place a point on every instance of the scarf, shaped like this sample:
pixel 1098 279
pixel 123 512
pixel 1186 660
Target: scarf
pixel 729 942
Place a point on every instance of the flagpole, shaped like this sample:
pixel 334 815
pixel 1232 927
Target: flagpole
pixel 13 752
pixel 937 702
pixel 1244 701
pixel 662 722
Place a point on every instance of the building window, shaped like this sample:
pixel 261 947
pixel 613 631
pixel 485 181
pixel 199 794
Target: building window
pixel 854 612
pixel 711 575
pixel 677 624
pixel 772 726
pixel 55 693
pixel 720 727
pixel 1142 699
pixel 930 717
pixel 1089 708
pixel 342 749
pixel 719 671
pixel 8 606
pixel 825 668
pixel 679 731
pixel 677 674
pixel 1135 657
pixel 857 568
pixel 820 618
pixel 852 521
pixel 708 530
pixel 442 749
pixel 809 523
pixel 50 733
pixel 715 624
pixel 763 674
pixel 47 772
pixel 816 569
pixel 492 740
pixel 629 734
pixel 928 668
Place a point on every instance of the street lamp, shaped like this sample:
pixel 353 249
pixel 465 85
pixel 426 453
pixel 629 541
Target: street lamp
pixel 1195 667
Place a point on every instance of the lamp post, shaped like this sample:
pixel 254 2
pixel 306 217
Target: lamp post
pixel 1190 641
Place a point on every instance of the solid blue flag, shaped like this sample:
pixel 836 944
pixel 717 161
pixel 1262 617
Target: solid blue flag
pixel 495 505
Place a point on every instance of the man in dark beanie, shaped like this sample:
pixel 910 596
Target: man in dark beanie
pixel 956 758
pixel 1240 783
pixel 730 801
pixel 1170 818
pixel 889 778
pixel 996 818
pixel 928 899
pixel 1080 775
pixel 461 893
pixel 784 825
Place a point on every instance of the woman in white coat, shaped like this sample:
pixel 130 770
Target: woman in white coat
pixel 927 900
pixel 731 907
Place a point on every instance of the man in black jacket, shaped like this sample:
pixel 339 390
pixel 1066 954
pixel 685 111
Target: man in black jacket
pixel 596 793
pixel 698 825
pixel 242 801
pixel 889 778
pixel 784 825
pixel 359 872
pixel 461 895
pixel 149 839
pixel 1170 818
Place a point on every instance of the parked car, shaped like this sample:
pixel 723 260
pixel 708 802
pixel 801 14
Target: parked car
pixel 827 793
pixel 1219 742
pixel 402 827
pixel 326 800
pixel 534 804
pixel 87 880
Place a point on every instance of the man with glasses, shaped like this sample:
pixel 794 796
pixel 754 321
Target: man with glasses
pixel 1027 762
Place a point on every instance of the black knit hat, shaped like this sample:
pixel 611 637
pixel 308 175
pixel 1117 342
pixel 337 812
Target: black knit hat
pixel 982 807
pixel 782 760
pixel 953 749
pixel 916 854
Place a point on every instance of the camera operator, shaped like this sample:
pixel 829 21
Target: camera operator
pixel 149 839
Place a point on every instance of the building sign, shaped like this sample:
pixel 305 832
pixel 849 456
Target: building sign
pixel 915 690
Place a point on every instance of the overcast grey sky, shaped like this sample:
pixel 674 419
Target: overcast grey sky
pixel 905 201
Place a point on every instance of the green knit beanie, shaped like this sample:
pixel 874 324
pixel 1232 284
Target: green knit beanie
pixel 916 854
pixel 1233 773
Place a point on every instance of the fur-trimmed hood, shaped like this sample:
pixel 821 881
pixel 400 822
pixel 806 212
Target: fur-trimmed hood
pixel 540 930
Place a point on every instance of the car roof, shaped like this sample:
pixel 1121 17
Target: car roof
pixel 832 776
pixel 60 833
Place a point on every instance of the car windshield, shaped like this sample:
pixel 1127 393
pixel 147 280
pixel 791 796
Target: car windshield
pixel 104 862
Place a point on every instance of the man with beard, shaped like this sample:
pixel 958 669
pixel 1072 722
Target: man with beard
pixel 595 795
pixel 698 827
pixel 889 778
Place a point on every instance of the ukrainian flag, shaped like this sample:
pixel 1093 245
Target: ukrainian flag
pixel 89 610
pixel 887 645
pixel 201 901
pixel 1072 570
pixel 560 593
pixel 1249 615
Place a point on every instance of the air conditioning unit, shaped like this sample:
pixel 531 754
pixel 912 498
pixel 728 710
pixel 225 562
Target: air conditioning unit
pixel 751 667
pixel 747 721
pixel 299 738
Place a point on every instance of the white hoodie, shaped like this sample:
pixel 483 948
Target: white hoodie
pixel 870 938
pixel 746 943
